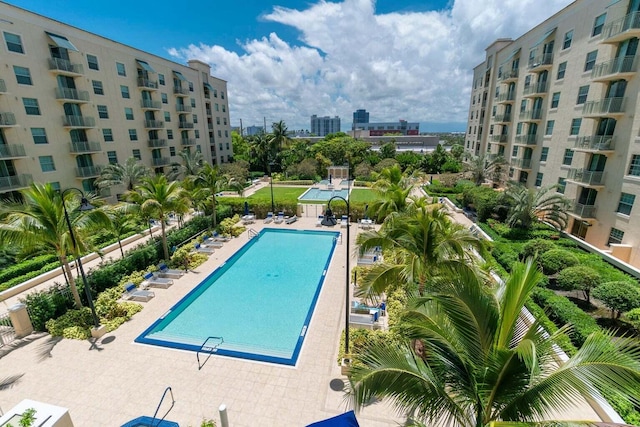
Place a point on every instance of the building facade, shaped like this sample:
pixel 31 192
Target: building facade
pixel 401 127
pixel 560 104
pixel 72 102
pixel 253 130
pixel 322 126
pixel 360 116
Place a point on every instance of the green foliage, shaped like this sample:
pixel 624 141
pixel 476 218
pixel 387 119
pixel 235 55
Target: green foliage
pixel 633 317
pixel 75 321
pixel 536 247
pixel 578 277
pixel 28 276
pixel 555 260
pixel 563 341
pixel 26 266
pixel 396 304
pixel 485 200
pixel 185 256
pixel 46 304
pixel 618 296
pixel 505 254
pixel 208 423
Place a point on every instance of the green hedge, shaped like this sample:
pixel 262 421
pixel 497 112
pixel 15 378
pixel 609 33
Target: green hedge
pixel 26 266
pixel 28 276
pixel 563 340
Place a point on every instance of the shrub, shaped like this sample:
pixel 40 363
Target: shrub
pixel 46 304
pixel 618 296
pixel 485 200
pixel 73 320
pixel 579 277
pixel 563 339
pixel 226 225
pixel 633 317
pixel 27 266
pixel 555 260
pixel 505 254
pixel 535 248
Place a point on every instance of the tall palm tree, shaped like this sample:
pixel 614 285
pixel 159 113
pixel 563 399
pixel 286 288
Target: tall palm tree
pixel 38 222
pixel 393 189
pixel 263 150
pixel 279 135
pixel 192 163
pixel 466 358
pixel 130 174
pixel 484 167
pixel 212 181
pixel 156 197
pixel 529 205
pixel 121 222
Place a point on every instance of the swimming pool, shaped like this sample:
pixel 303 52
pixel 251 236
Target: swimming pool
pixel 260 301
pixel 315 193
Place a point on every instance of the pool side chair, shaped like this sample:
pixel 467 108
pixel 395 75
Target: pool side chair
pixel 153 281
pixel 344 221
pixel 212 243
pixel 319 221
pixel 269 218
pixel 132 293
pixel 291 220
pixel 168 273
pixel 248 219
pixel 363 321
pixel 203 250
pixel 220 238
pixel 279 219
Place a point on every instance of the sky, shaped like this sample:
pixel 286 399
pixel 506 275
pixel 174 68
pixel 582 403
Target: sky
pixel 398 59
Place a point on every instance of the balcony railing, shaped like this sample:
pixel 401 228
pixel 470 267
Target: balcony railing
pixel 614 30
pixel 65 66
pixel 586 177
pixel 183 108
pixel 185 125
pixel 153 124
pixel 527 139
pixel 160 161
pixel 624 64
pixel 509 75
pixel 72 94
pixel 208 110
pixel 88 171
pixel 7 119
pixel 210 126
pixel 529 115
pixel 188 141
pixel 3 86
pixel 85 147
pixel 583 211
pixel 10 151
pixel 544 60
pixel 16 182
pixel 157 143
pixel 595 143
pixel 502 118
pixel 78 121
pixel 146 83
pixel 521 163
pixel 605 106
pixel 212 141
pixel 180 90
pixel 537 88
pixel 506 97
pixel 499 138
pixel 150 104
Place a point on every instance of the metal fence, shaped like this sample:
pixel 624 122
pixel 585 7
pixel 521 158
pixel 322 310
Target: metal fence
pixel 7 332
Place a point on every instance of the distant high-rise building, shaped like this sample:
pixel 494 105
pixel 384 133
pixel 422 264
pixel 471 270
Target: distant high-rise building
pixel 360 116
pixel 253 130
pixel 385 128
pixel 322 126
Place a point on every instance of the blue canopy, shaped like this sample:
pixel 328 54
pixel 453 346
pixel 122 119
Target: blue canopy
pixel 347 419
pixel 246 208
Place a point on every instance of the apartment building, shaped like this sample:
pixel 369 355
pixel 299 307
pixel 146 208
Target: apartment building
pixel 72 102
pixel 560 104
pixel 322 126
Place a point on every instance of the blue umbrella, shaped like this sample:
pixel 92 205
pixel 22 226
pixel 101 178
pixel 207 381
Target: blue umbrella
pixel 246 208
pixel 345 420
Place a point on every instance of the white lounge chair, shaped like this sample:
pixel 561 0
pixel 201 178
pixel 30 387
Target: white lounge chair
pixel 319 221
pixel 269 218
pixel 217 237
pixel 291 219
pixel 280 218
pixel 363 321
pixel 153 281
pixel 203 249
pixel 248 219
pixel 168 273
pixel 132 293
pixel 344 221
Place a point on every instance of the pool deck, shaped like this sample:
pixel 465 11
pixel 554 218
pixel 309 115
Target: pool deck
pixel 114 380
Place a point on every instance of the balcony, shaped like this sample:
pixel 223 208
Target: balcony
pixel 188 141
pixel 583 211
pixel 12 151
pixel 148 104
pixel 531 115
pixel 537 89
pixel 508 97
pixel 65 67
pixel 586 177
pixel 502 118
pixel 541 62
pixel 7 119
pixel 78 122
pixel 183 108
pixel 501 139
pixel 521 163
pixel 619 68
pixel 157 143
pixel 185 125
pixel 147 84
pixel 3 86
pixel 526 139
pixel 180 91
pixel 601 144
pixel 508 76
pixel 604 107
pixel 160 161
pixel 208 111
pixel 88 171
pixel 82 147
pixel 70 95
pixel 15 182
pixel 622 29
pixel 153 124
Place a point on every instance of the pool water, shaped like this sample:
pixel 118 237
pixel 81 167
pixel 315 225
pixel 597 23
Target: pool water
pixel 315 193
pixel 260 301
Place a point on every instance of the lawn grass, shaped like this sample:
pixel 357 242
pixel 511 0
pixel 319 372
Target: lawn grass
pixel 282 194
pixel 362 195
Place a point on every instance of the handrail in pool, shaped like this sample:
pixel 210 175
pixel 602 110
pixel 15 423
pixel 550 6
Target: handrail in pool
pixel 173 402
pixel 209 349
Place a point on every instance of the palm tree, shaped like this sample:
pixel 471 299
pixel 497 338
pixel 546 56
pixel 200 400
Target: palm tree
pixel 529 205
pixel 279 136
pixel 212 181
pixel 393 189
pixel 422 243
pixel 38 222
pixel 130 174
pixel 192 163
pixel 466 358
pixel 262 149
pixel 121 222
pixel 485 166
pixel 156 197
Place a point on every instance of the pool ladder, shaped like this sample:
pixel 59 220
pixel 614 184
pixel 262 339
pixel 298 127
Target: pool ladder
pixel 252 233
pixel 208 349
pixel 173 402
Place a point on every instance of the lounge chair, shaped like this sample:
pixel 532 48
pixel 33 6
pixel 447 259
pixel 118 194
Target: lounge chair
pixel 203 249
pixel 269 218
pixel 168 273
pixel 212 243
pixel 367 260
pixel 319 221
pixel 279 219
pixel 363 321
pixel 132 293
pixel 220 238
pixel 153 281
pixel 344 221
pixel 248 219
pixel 291 219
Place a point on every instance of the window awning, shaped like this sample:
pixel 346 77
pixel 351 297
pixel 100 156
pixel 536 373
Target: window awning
pixel 208 86
pixel 61 41
pixel 179 75
pixel 510 57
pixel 145 66
pixel 544 37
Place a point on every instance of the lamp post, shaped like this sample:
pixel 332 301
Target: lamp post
pixel 347 277
pixel 84 206
pixel 271 184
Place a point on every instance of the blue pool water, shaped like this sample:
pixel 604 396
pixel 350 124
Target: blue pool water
pixel 260 301
pixel 315 193
pixel 338 182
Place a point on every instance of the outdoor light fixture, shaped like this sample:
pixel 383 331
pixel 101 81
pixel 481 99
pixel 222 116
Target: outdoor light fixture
pixel 347 275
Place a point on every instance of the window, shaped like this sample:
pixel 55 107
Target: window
pixel 555 100
pixel 195 118
pixel 169 133
pixel 215 93
pixel 568 156
pixel 591 60
pixel 163 96
pixel 136 154
pixel 46 163
pixel 172 151
pixel 544 154
pixel 55 185
pixel 582 95
pixel 124 91
pixel 193 103
pixel 14 42
pixel 31 106
pixel 598 24
pixel 514 151
pixel 224 109
pixel 217 120
pixel 549 129
pixel 120 68
pixel 220 145
pixel 224 121
pixel 113 157
pixel 218 108
pixel 562 184
pixel 167 116
pixel 615 236
pixel 219 134
pixel 23 76
pixel 575 126
pixel 39 136
pixel 133 135
pixel 519 128
pixel 626 203
pixel 562 67
pixel 199 148
pixel 197 132
pixel 568 37
pixel 227 144
pixel 190 87
pixel 161 79
pixel 92 61
pixel 103 113
pixel 226 133
pixel 538 179
pixel 107 134
pixel 634 167
pixel 221 94
pixel 97 87
pixel 128 113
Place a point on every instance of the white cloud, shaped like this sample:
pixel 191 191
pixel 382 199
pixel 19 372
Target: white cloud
pixel 415 66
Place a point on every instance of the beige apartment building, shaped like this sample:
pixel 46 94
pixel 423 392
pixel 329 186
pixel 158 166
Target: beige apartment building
pixel 560 104
pixel 72 102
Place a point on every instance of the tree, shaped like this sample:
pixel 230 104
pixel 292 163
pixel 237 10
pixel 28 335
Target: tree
pixel 465 358
pixel 483 167
pixel 388 150
pixel 38 222
pixel 130 174
pixel 619 297
pixel 393 189
pixel 579 277
pixel 529 205
pixel 121 222
pixel 457 151
pixel 279 135
pixel 191 165
pixel 212 181
pixel 262 151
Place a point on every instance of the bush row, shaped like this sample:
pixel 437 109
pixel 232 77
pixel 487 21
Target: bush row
pixel 26 266
pixel 28 276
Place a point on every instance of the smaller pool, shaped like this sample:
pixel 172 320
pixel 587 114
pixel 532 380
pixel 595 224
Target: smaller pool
pixel 337 182
pixel 315 194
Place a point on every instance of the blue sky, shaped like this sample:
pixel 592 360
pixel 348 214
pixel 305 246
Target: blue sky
pixel 399 59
